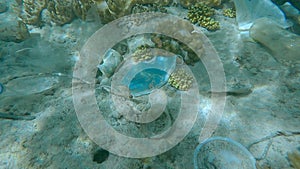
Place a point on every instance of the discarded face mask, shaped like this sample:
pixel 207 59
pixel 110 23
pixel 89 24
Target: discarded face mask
pixel 142 78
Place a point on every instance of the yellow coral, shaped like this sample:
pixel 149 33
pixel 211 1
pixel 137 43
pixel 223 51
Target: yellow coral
pixel 229 12
pixel 181 80
pixel 202 15
pixel 142 54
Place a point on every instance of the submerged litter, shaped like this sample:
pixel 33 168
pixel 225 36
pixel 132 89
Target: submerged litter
pixel 148 79
pixel 221 152
pixel 144 77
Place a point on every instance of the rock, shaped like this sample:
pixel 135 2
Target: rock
pixel 3 7
pixel 13 31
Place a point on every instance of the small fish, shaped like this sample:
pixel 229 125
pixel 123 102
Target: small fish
pixel 1 88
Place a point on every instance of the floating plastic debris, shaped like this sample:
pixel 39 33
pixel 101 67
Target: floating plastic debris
pixel 221 152
pixel 143 77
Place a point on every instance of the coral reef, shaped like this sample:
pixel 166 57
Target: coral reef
pixel 229 12
pixel 142 54
pixel 202 15
pixel 138 8
pixel 31 11
pixel 113 9
pixel 60 12
pixel 181 80
pixel 174 46
pixel 81 7
pixel 189 3
pixel 124 7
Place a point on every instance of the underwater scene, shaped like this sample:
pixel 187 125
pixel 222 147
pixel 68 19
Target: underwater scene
pixel 149 84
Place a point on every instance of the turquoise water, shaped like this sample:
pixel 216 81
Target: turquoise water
pixel 149 84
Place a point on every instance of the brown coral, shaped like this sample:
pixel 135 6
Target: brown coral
pixel 189 3
pixel 81 7
pixel 60 12
pixel 113 9
pixel 229 12
pixel 31 11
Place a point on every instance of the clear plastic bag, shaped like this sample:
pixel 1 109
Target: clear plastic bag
pixel 247 11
